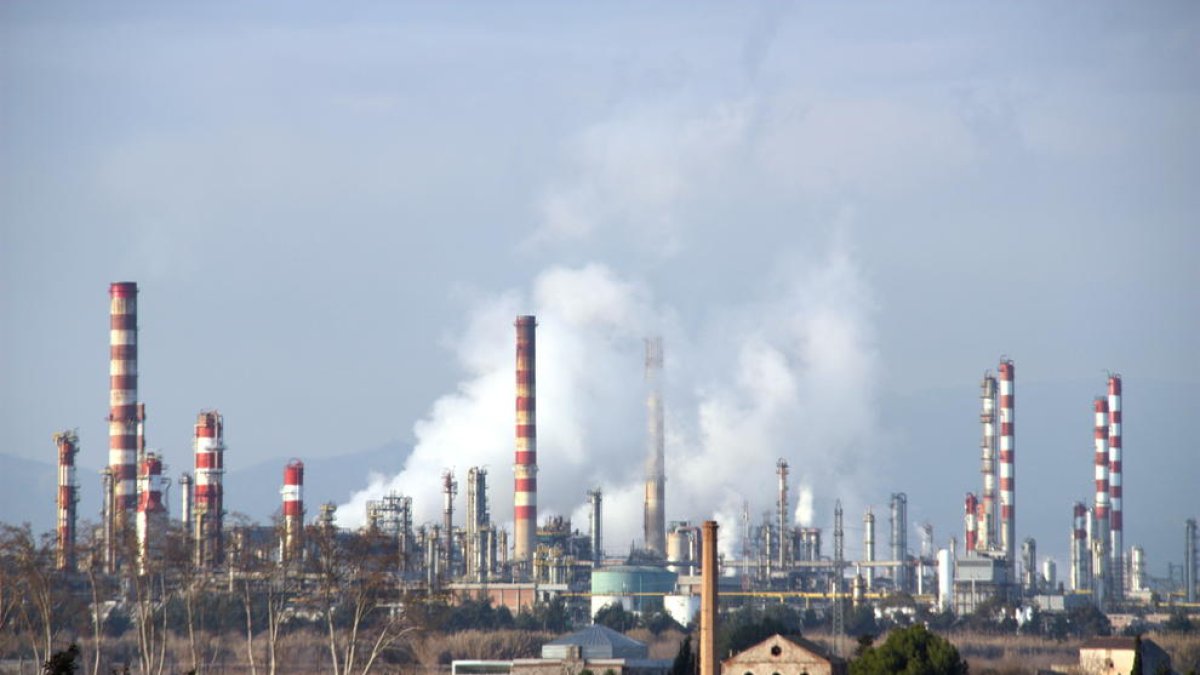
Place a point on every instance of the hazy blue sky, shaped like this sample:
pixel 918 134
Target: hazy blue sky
pixel 333 213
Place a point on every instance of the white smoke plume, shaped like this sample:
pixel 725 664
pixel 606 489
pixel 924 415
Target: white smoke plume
pixel 790 375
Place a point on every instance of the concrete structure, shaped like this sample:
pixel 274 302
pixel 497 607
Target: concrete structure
pixel 209 498
pixel 515 596
pixel 596 649
pixel 707 648
pixel 525 466
pixel 151 511
pixel 122 405
pixel 292 546
pixel 67 443
pixel 1099 543
pixel 1008 461
pixel 977 579
pixel 655 523
pixel 1116 518
pixel 1114 656
pixel 778 655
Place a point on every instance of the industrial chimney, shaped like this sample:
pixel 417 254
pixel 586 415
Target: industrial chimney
pixel 525 468
pixel 293 510
pixel 1116 518
pixel 708 599
pixel 122 400
pixel 209 499
pixel 1100 543
pixel 655 525
pixel 1008 459
pixel 68 497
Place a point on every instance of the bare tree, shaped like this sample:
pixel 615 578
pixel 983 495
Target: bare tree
pixel 37 595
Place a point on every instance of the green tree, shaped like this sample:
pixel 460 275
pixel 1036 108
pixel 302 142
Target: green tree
pixel 615 617
pixel 685 662
pixel 910 650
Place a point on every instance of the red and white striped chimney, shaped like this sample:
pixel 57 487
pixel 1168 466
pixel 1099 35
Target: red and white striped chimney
pixel 293 509
pixel 970 526
pixel 1100 534
pixel 525 469
pixel 1008 458
pixel 122 396
pixel 987 536
pixel 1116 519
pixel 1079 549
pixel 208 494
pixel 151 511
pixel 68 497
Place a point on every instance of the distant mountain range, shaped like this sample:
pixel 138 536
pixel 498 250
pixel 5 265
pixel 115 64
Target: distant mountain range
pixel 27 487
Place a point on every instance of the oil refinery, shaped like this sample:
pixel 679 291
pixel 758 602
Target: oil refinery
pixel 473 554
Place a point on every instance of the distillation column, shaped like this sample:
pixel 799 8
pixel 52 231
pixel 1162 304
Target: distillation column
pixel 899 518
pixel 595 524
pixel 525 467
pixel 449 492
pixel 784 540
pixel 869 548
pixel 655 526
pixel 68 499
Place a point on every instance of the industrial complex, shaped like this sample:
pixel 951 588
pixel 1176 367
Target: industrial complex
pixel 473 555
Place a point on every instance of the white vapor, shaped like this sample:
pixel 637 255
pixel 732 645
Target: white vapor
pixel 791 375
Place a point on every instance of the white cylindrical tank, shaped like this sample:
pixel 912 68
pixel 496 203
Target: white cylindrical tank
pixel 945 567
pixel 1050 574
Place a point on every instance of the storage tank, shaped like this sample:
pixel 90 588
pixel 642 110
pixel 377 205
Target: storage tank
pixel 945 566
pixel 629 586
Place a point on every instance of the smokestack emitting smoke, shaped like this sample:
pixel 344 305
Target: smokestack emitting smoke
pixel 1008 460
pixel 525 467
pixel 209 498
pixel 794 375
pixel 122 397
pixel 68 498
pixel 1116 517
pixel 655 525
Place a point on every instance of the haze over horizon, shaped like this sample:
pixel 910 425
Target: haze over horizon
pixel 831 214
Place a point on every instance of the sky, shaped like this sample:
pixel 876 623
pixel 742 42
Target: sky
pixel 832 214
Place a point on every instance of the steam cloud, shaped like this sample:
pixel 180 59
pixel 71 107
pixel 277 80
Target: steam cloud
pixel 791 375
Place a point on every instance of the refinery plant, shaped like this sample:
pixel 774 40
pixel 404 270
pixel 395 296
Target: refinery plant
pixel 472 555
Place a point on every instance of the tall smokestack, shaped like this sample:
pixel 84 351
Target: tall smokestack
pixel 970 521
pixel 986 538
pixel 655 527
pixel 1080 567
pixel 1100 542
pixel 785 538
pixel 209 493
pixel 869 547
pixel 708 599
pixel 186 505
pixel 293 510
pixel 68 497
pixel 151 512
pixel 122 398
pixel 525 469
pixel 1008 459
pixel 595 524
pixel 1189 559
pixel 1116 518
pixel 900 539
pixel 449 492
